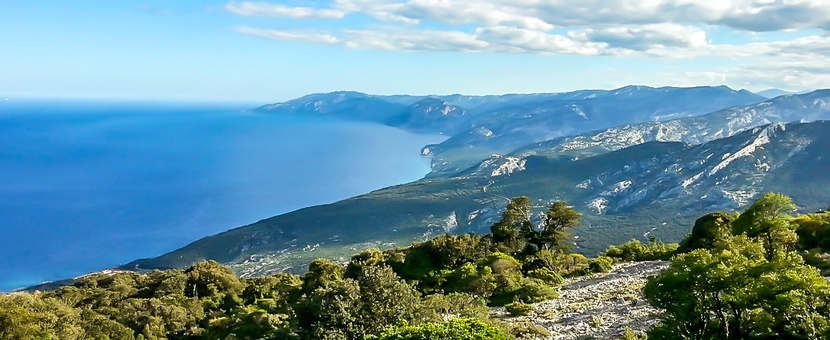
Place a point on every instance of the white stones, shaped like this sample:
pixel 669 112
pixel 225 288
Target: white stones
pixel 602 306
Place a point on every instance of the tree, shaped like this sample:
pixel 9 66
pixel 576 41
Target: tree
pixel 768 220
pixel 507 236
pixel 210 279
pixel 559 219
pixel 708 231
pixel 515 231
pixel 321 272
pixel 353 308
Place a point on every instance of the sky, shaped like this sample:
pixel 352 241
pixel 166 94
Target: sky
pixel 205 50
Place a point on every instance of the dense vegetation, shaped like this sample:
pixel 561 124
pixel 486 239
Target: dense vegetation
pixel 753 275
pixel 440 288
pixel 744 276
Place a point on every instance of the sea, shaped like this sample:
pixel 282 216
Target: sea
pixel 86 186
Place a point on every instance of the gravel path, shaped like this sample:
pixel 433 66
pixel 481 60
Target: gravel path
pixel 598 306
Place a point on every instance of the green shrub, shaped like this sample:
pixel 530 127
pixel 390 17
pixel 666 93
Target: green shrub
pixel 601 264
pixel 814 231
pixel 366 258
pixel 778 298
pixel 518 308
pixel 456 329
pixel 352 308
pixel 564 264
pixel 547 276
pixel 526 330
pixel 502 263
pixel 437 307
pixel 471 279
pixel 635 251
pixel 535 290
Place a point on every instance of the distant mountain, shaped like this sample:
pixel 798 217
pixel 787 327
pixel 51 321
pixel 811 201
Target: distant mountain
pixel 345 105
pixel 513 125
pixel 430 115
pixel 694 130
pixel 772 93
pixel 654 188
pixel 482 125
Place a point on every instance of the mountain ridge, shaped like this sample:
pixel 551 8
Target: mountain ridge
pixel 695 130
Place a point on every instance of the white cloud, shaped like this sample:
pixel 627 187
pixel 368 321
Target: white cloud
pixel 510 39
pixel 320 38
pixel 409 40
pixel 281 11
pixel 664 29
pixel 464 12
pixel 492 39
pixel 655 27
pixel 645 37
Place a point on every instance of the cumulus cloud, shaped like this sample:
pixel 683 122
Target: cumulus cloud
pixel 645 37
pixel 737 30
pixel 511 39
pixel 660 28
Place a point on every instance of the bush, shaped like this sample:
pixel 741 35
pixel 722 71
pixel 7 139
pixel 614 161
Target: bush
pixel 780 298
pixel 563 264
pixel 708 232
pixel 814 231
pixel 437 307
pixel 547 276
pixel 367 258
pixel 456 329
pixel 518 308
pixel 635 251
pixel 471 279
pixel 444 252
pixel 601 264
pixel 352 308
pixel 535 290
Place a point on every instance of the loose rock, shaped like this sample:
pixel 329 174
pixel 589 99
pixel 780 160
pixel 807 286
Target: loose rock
pixel 597 306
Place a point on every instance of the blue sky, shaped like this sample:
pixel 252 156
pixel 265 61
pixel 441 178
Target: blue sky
pixel 273 51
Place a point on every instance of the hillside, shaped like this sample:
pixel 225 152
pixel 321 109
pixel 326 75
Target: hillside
pixel 693 130
pixel 649 189
pixel 513 126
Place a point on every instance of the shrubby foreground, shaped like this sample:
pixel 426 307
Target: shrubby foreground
pixel 736 276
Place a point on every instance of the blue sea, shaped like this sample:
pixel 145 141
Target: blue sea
pixel 90 185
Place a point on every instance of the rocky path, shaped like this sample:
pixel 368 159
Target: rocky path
pixel 598 306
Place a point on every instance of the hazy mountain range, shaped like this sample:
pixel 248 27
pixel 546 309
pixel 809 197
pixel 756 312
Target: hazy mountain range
pixel 479 126
pixel 670 155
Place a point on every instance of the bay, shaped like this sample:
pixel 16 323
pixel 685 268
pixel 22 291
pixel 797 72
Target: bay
pixel 90 185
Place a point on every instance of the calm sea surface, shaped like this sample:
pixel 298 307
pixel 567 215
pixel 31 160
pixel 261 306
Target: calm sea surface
pixel 86 186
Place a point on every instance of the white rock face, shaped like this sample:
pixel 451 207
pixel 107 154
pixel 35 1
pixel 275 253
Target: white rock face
pixel 747 150
pixel 498 165
pixel 601 306
pixel 599 204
